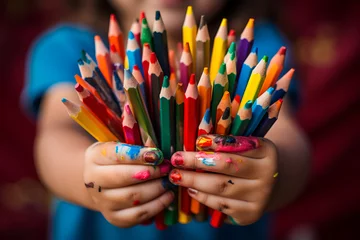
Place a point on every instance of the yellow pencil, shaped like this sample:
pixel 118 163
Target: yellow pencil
pixel 189 31
pixel 219 49
pixel 88 122
pixel 255 82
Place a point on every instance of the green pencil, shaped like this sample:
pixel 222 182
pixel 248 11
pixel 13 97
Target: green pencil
pixel 179 117
pixel 166 118
pixel 133 94
pixel 231 72
pixel 242 119
pixel 221 85
pixel 146 35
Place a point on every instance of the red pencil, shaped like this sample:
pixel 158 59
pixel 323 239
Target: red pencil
pixel 191 123
pixel 116 37
pixel 100 111
pixel 103 59
pixel 115 56
pixel 146 61
pixel 131 127
pixel 231 37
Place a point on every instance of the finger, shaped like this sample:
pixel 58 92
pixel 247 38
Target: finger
pixel 127 197
pixel 218 184
pixel 244 213
pixel 117 176
pixel 226 163
pixel 231 144
pixel 135 215
pixel 112 153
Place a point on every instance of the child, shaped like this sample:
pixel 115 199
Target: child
pixel 66 158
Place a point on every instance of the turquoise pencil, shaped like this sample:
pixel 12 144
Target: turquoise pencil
pixel 259 109
pixel 245 73
pixel 133 52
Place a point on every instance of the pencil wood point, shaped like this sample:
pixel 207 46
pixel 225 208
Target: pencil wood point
pixel 186 47
pixel 112 17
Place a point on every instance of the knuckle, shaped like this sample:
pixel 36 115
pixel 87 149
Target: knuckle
pixel 223 205
pixel 141 216
pixel 133 196
pixel 222 187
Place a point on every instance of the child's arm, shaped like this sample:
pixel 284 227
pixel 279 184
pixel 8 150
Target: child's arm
pixel 253 174
pixel 126 190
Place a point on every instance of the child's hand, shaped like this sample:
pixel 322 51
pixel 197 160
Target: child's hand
pixel 241 172
pixel 125 183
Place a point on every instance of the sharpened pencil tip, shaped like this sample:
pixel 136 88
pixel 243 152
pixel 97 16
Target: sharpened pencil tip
pixel 127 109
pixel 232 32
pixel 127 74
pixel 192 79
pixel 202 21
pixel 144 21
pixel 112 17
pixel 136 68
pixel 232 47
pixel 248 104
pixel 142 15
pixel 80 62
pixel 226 94
pixel 207 116
pixel 270 90
pixel 131 35
pixel 166 82
pixel 206 70
pixel 153 58
pixel 79 88
pixel 226 114
pixel 186 47
pixel 250 23
pixel 64 100
pixel 237 98
pixel 189 10
pixel 223 22
pixel 222 68
pixel 157 15
pixel 265 58
pixel 282 51
pixel 97 38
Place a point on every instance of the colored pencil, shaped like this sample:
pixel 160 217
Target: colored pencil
pixel 87 86
pixel 139 78
pixel 88 61
pixel 282 86
pixel 220 86
pixel 118 89
pixel 242 119
pixel 205 126
pixel 274 69
pixel 255 82
pixel 119 68
pixel 224 103
pixel 189 30
pixel 132 91
pixel 100 111
pixel 146 35
pixel 245 44
pixel 235 106
pixel 191 123
pixel 161 43
pixel 173 82
pixel 231 50
pixel 131 127
pixel 141 17
pixel 116 37
pixel 98 82
pixel 136 29
pixel 204 89
pixel 219 49
pixel 146 61
pixel 133 53
pixel 223 126
pixel 269 119
pixel 245 73
pixel 103 59
pixel 172 61
pixel 179 117
pixel 88 122
pixel 115 56
pixel 231 37
pixel 202 47
pixel 259 109
pixel 186 64
pixel 231 72
pixel 166 118
pixel 155 77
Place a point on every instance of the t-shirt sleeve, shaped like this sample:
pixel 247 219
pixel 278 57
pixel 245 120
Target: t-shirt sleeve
pixel 269 39
pixel 52 60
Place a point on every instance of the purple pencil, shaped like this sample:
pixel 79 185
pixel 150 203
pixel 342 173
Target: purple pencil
pixel 245 44
pixel 185 66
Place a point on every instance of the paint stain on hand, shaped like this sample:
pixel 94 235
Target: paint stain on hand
pixel 142 175
pixel 89 185
pixel 231 182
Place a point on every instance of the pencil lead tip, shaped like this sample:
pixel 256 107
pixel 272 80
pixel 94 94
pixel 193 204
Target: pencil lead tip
pixel 202 21
pixel 186 47
pixel 136 68
pixel 248 104
pixel 157 15
pixel 232 32
pixel 192 79
pixel 166 82
pixel 79 88
pixel 207 116
pixel 144 21
pixel 206 70
pixel 265 58
pixel 270 90
pixel 250 23
pixel 112 17
pixel 127 109
pixel 232 47
pixel 64 100
pixel 282 50
pixel 131 35
pixel 222 68
pixel 223 22
pixel 142 15
pixel 153 58
pixel 255 50
pixel 112 48
pixel 226 114
pixel 189 10
pixel 127 73
pixel 237 98
pixel 97 38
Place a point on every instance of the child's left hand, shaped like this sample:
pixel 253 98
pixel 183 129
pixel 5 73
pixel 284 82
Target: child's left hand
pixel 240 174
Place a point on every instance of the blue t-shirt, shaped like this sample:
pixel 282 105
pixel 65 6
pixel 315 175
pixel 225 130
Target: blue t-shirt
pixel 52 60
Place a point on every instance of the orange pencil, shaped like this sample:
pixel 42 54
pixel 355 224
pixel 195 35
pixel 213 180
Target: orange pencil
pixel 172 61
pixel 223 126
pixel 173 82
pixel 103 59
pixel 204 89
pixel 224 103
pixel 116 37
pixel 87 86
pixel 274 69
pixel 235 106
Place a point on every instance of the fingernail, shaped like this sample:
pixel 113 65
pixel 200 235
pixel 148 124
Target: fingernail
pixel 175 176
pixel 165 167
pixel 167 185
pixel 203 142
pixel 153 157
pixel 177 159
pixel 192 191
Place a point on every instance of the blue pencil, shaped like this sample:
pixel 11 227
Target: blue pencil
pixel 246 70
pixel 259 109
pixel 282 86
pixel 133 52
pixel 268 120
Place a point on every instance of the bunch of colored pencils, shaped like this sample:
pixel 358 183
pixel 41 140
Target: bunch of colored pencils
pixel 144 95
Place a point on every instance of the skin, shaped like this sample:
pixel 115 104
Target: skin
pixel 66 159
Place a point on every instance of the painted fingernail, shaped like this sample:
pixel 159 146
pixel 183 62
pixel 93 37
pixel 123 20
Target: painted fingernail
pixel 153 157
pixel 167 185
pixel 177 159
pixel 192 191
pixel 142 175
pixel 204 142
pixel 165 167
pixel 175 176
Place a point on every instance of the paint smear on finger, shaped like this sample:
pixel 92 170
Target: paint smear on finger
pixel 207 158
pixel 143 175
pixel 132 151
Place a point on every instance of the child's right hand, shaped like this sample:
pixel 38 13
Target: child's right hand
pixel 125 182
